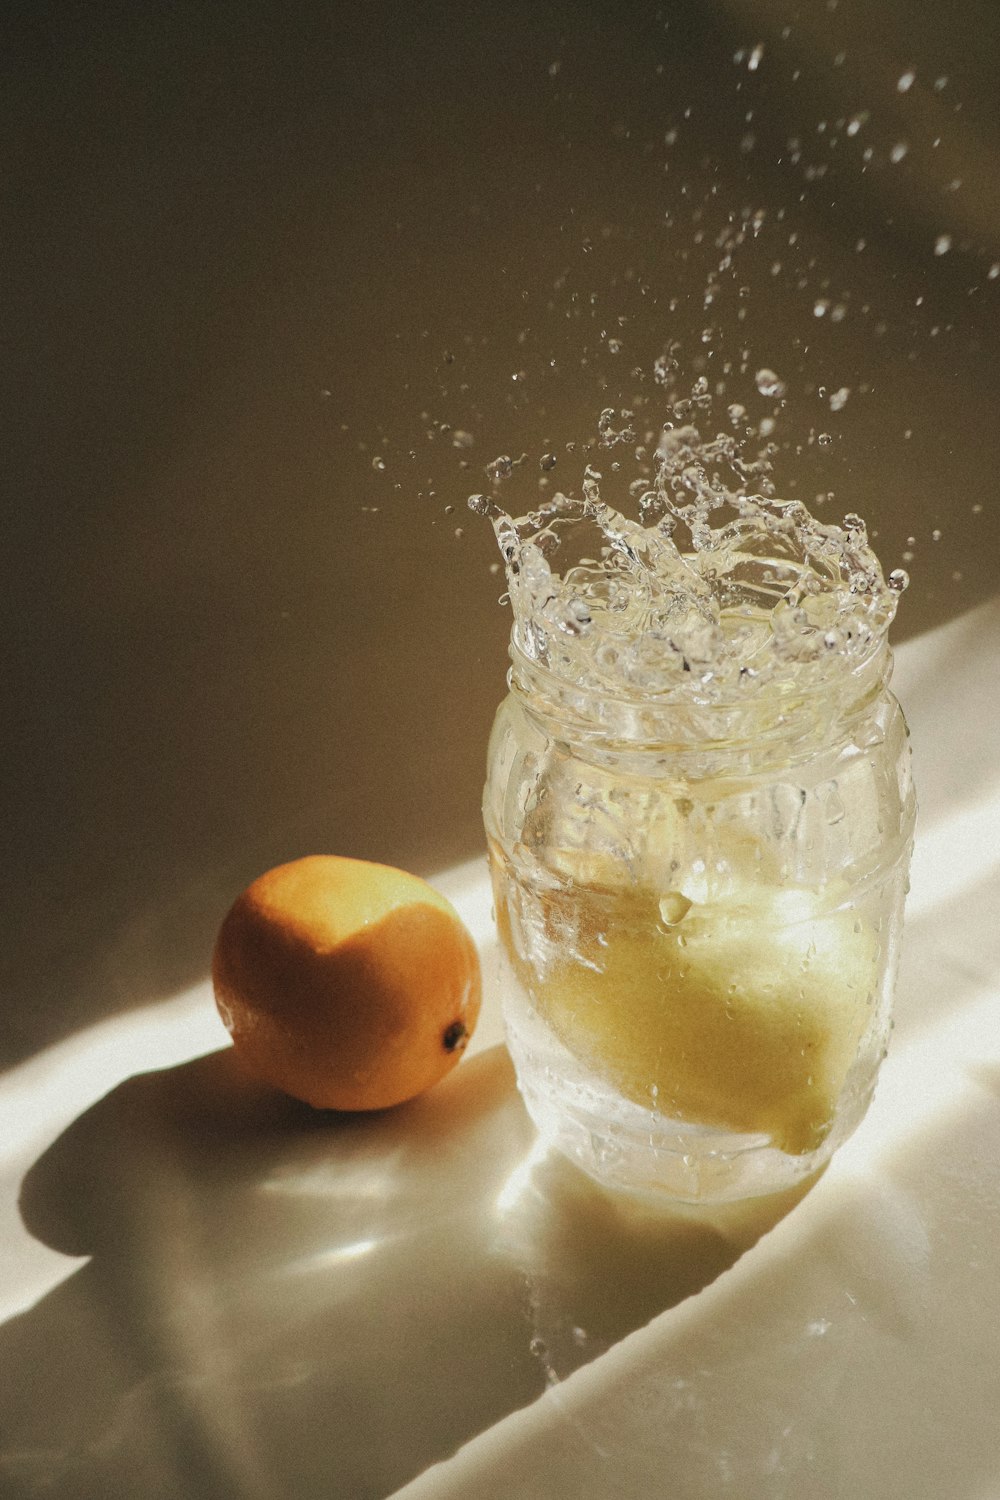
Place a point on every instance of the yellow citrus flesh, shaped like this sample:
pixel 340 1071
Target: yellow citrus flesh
pixel 746 1018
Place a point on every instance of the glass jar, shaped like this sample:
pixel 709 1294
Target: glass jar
pixel 699 909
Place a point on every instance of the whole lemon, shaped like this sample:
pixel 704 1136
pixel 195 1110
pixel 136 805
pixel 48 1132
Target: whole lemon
pixel 346 984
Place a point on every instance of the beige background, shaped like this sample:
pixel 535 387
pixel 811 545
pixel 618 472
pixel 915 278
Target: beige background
pixel 247 246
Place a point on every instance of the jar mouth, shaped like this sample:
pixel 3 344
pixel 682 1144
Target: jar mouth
pixel 804 705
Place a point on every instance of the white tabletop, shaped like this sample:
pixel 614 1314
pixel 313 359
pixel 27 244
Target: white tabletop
pixel 210 1292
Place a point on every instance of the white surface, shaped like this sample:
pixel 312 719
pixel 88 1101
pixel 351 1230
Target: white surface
pixel 220 1295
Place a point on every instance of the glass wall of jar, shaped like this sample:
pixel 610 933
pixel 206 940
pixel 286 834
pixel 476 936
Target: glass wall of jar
pixel 699 909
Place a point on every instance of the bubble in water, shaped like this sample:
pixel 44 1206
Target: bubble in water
pixel 942 244
pixel 769 384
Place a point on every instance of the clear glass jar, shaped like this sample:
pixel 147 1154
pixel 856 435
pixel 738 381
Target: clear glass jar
pixel 699 909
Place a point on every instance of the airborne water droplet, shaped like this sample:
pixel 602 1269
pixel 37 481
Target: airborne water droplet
pixel 769 384
pixel 500 468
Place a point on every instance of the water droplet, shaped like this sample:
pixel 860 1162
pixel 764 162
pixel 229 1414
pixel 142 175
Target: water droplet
pixel 833 805
pixel 898 151
pixel 994 270
pixel 756 57
pixel 462 439
pixel 839 398
pixel 942 244
pixel 500 468
pixel 547 462
pixel 824 439
pixel 378 463
pixel 674 907
pixel 820 307
pixel 906 82
pixel 898 580
pixel 769 384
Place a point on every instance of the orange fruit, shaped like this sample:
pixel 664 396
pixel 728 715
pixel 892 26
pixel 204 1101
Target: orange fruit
pixel 349 985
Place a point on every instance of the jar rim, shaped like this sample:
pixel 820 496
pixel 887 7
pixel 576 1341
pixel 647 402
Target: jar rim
pixel 781 710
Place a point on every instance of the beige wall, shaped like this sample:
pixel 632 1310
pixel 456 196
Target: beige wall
pixel 242 240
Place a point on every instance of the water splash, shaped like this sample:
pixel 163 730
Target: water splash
pixel 716 589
